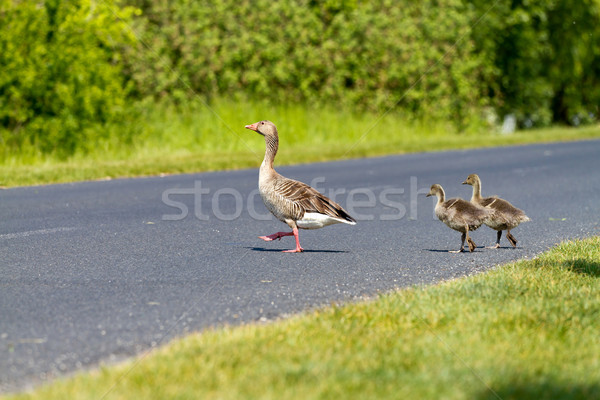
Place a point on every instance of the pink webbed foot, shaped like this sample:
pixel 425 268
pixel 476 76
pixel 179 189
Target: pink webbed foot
pixel 275 236
pixel 296 250
pixel 279 235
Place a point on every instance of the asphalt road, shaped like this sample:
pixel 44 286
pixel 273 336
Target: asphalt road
pixel 94 272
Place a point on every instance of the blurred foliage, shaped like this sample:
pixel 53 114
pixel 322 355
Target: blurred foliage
pixel 61 71
pixel 372 55
pixel 455 60
pixel 542 59
pixel 71 67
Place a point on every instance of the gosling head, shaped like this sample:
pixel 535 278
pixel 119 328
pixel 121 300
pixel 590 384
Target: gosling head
pixel 472 180
pixel 265 128
pixel 436 190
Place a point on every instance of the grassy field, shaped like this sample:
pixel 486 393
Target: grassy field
pixel 198 138
pixel 527 330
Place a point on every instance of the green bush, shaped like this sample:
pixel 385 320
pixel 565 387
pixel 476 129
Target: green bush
pixel 369 55
pixel 71 68
pixel 542 59
pixel 445 60
pixel 61 73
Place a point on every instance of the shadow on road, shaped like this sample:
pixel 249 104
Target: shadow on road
pixel 466 251
pixel 305 251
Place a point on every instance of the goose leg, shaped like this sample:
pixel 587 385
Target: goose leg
pixel 298 248
pixel 497 241
pixel 511 238
pixel 462 244
pixel 277 235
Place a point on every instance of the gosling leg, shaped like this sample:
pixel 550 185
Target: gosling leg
pixel 497 241
pixel 511 238
pixel 462 244
pixel 472 244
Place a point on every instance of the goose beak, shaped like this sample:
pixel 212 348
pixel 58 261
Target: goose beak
pixel 428 194
pixel 465 183
pixel 253 127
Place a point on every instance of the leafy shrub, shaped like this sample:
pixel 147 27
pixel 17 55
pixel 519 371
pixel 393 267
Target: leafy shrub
pixel 370 55
pixel 60 70
pixel 542 59
pixel 445 60
pixel 72 67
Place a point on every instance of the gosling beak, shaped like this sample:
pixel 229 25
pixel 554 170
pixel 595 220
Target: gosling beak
pixel 465 183
pixel 428 194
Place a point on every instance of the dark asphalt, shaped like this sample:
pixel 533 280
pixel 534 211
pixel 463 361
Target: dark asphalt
pixel 97 271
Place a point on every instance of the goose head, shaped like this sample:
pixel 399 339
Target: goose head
pixel 472 180
pixel 436 190
pixel 265 128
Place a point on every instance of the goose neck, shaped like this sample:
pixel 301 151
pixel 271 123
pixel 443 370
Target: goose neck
pixel 476 191
pixel 441 196
pixel 272 144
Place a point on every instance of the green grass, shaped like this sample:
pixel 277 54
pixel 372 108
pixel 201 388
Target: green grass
pixel 526 330
pixel 192 138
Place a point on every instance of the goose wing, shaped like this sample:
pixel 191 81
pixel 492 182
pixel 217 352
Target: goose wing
pixel 309 200
pixel 466 213
pixel 504 211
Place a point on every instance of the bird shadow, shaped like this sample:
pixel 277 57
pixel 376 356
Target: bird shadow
pixel 305 251
pixel 448 251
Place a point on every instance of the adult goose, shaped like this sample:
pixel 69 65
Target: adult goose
pixel 291 201
pixel 505 216
pixel 459 215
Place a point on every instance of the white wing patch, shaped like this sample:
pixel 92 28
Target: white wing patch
pixel 313 220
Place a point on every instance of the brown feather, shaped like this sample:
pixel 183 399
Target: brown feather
pixel 458 213
pixel 309 199
pixel 504 216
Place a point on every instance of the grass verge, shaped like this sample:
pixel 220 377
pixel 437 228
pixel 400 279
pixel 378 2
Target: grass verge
pixel 194 138
pixel 524 330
